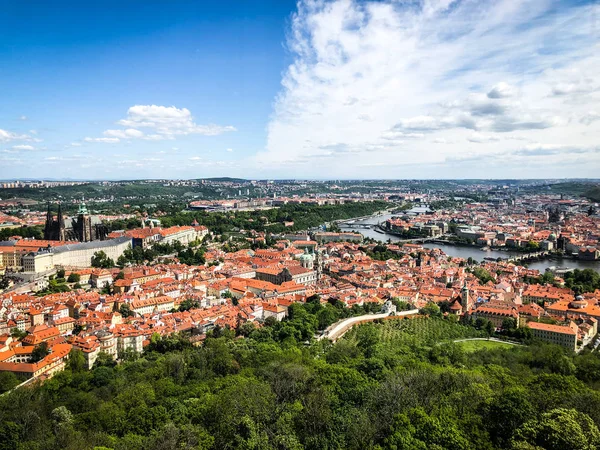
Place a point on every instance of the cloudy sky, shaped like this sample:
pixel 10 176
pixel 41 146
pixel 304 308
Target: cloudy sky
pixel 313 89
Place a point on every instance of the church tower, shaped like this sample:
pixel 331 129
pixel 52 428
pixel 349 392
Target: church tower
pixel 319 263
pixel 464 298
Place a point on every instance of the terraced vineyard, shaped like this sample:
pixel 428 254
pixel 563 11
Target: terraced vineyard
pixel 419 331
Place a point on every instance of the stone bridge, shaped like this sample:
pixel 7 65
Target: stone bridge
pixel 526 256
pixel 358 225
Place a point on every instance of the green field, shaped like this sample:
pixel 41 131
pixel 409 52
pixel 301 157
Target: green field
pixel 420 331
pixel 473 346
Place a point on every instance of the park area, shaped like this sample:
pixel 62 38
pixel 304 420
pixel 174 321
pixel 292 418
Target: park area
pixel 419 331
pixel 475 345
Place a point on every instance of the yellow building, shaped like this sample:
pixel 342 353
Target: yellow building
pixel 565 336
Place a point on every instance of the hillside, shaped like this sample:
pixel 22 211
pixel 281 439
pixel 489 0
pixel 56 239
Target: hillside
pixel 593 194
pixel 400 385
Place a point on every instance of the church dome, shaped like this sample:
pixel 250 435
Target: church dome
pixel 306 259
pixel 306 256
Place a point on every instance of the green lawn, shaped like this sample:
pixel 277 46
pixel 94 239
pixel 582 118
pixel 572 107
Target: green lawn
pixel 473 346
pixel 418 332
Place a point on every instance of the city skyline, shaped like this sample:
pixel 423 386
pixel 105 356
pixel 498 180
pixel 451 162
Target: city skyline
pixel 317 90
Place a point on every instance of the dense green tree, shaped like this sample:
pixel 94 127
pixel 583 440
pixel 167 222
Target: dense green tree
pixel 8 380
pixel 40 352
pixel 507 412
pixel 509 324
pixel 188 304
pixel 10 435
pixel 125 310
pixel 101 260
pixel 398 383
pixel 431 309
pixel 17 334
pixel 74 277
pixel 483 275
pixel 559 429
pixel 587 280
pixel 76 361
pixel 326 317
pixel 246 329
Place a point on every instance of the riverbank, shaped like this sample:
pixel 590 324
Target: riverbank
pixel 353 220
pixel 461 250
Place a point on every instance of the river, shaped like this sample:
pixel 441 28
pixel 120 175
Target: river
pixel 466 252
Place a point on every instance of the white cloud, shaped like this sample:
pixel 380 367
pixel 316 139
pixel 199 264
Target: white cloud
pixel 23 118
pixel 230 150
pixel 23 147
pixel 124 134
pixel 75 144
pixel 458 71
pixel 195 158
pixel 165 122
pixel 576 85
pixel 169 121
pixel 479 138
pixel 539 149
pixel 590 117
pixel 156 137
pixel 6 136
pixel 105 140
pixel 501 90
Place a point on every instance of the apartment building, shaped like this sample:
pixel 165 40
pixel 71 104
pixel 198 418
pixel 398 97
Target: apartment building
pixel 565 336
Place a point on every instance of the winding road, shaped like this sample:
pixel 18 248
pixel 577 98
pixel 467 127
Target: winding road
pixel 337 330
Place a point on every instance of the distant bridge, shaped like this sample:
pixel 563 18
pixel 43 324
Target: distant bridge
pixel 350 222
pixel 526 256
pixel 358 225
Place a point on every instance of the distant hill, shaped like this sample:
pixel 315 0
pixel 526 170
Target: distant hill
pixel 226 179
pixel 593 194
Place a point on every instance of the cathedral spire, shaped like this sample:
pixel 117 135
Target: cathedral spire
pixel 48 217
pixel 60 216
pixel 48 227
pixel 61 224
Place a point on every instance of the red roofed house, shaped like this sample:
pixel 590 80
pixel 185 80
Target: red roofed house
pixel 18 361
pixel 496 313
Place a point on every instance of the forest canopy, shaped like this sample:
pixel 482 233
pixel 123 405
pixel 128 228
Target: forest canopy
pixel 402 384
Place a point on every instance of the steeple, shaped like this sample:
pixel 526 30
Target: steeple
pixel 61 224
pixel 464 296
pixel 59 218
pixel 48 227
pixel 48 218
pixel 82 209
pixel 319 261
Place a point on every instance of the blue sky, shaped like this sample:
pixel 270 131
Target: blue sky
pixel 73 69
pixel 318 89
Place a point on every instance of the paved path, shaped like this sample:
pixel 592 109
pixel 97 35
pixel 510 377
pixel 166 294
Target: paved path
pixel 337 330
pixel 489 339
